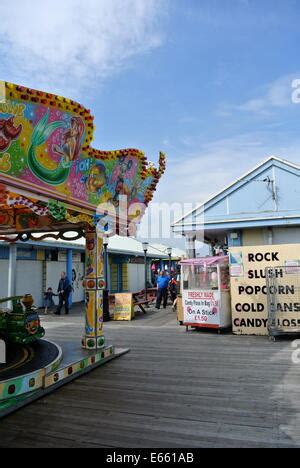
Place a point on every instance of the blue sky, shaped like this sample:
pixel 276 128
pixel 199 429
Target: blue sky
pixel 206 81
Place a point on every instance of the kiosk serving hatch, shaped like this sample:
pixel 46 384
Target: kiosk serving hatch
pixel 206 292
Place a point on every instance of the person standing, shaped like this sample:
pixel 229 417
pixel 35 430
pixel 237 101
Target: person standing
pixel 48 297
pixel 173 291
pixel 162 290
pixel 64 290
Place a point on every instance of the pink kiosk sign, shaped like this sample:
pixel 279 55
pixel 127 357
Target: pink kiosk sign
pixel 206 293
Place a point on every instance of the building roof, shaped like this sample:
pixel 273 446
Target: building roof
pixel 269 194
pixel 117 245
pixel 206 261
pixel 177 254
pixel 131 246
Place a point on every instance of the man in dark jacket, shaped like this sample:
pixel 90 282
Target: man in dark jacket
pixel 64 290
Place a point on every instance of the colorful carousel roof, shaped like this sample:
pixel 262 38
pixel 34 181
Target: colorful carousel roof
pixel 51 178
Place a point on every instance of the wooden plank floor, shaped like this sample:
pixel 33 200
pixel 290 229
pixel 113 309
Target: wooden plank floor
pixel 172 390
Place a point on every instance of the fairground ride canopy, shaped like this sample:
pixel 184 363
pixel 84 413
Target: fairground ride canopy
pixel 51 179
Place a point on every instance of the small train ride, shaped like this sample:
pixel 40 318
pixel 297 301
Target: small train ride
pixel 21 324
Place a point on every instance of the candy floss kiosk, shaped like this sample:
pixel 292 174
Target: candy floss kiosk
pixel 206 293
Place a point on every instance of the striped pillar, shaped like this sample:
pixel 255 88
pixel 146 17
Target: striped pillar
pixel 94 285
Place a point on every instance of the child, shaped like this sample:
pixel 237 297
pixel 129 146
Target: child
pixel 173 292
pixel 49 303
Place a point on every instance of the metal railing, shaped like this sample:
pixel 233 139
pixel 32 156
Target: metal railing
pixel 283 293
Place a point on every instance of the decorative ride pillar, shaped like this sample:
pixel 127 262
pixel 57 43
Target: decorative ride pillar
pixel 94 285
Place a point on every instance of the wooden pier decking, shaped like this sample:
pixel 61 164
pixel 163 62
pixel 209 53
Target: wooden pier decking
pixel 174 389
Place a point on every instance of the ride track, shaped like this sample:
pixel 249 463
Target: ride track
pixel 22 360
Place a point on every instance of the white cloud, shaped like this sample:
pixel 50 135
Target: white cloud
pixel 277 94
pixel 216 164
pixel 200 174
pixel 65 44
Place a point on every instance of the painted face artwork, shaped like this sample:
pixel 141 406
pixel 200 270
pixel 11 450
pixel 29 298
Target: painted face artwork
pixel 8 133
pixel 90 243
pixel 71 141
pixel 96 179
pixel 45 147
pixel 32 324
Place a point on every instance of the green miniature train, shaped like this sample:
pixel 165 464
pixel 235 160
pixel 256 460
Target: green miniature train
pixel 21 325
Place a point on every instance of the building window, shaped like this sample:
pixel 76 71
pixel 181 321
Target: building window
pixel 54 256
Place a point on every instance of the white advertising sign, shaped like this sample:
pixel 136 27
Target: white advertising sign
pixel 62 256
pixel 292 267
pixel 201 308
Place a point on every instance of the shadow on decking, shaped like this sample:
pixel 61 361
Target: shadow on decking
pixel 174 389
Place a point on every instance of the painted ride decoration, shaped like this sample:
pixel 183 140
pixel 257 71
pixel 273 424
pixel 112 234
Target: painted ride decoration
pixel 45 148
pixel 21 325
pixel 54 184
pixel 52 180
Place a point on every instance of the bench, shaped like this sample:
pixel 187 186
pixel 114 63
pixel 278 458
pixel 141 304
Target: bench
pixel 139 299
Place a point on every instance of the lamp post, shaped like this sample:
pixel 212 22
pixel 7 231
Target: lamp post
pixel 169 251
pixel 106 316
pixel 145 248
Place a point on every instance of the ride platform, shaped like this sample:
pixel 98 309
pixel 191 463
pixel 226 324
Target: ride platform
pixel 32 372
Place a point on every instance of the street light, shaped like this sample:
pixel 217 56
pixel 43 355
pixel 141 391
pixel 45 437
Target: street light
pixel 106 316
pixel 145 248
pixel 169 251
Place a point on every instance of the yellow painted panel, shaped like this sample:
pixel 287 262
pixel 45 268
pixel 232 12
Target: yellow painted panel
pixel 125 277
pixel 114 277
pixel 248 278
pixel 253 237
pixel 123 309
pixel 40 255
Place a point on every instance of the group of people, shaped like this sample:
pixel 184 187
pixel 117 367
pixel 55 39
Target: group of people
pixel 166 285
pixel 64 291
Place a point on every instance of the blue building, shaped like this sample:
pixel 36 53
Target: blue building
pixel 262 207
pixel 32 267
